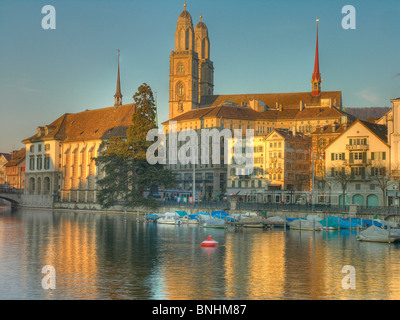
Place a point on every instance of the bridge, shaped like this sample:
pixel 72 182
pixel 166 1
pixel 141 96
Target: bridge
pixel 13 196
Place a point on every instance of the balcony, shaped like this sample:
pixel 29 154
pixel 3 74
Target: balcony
pixel 353 147
pixel 357 162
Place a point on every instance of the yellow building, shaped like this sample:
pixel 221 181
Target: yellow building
pixel 282 169
pixel 60 157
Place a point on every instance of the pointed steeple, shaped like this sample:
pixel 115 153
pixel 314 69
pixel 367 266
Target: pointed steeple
pixel 118 95
pixel 316 76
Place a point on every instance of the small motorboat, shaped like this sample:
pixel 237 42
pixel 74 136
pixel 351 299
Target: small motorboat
pixel 209 242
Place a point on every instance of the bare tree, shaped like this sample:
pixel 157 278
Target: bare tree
pixel 382 177
pixel 341 175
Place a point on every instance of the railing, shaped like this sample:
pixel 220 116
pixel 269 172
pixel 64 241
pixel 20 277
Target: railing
pixel 357 147
pixel 11 190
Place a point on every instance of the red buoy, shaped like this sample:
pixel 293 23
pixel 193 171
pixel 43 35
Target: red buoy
pixel 209 242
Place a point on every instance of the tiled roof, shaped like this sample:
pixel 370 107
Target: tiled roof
pixel 16 158
pixel 227 112
pixel 378 129
pixel 89 125
pixel 291 99
pixel 7 156
pixel 234 107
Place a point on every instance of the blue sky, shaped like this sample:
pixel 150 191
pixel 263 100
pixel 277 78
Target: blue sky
pixel 257 46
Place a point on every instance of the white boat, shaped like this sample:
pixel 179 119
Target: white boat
pixel 276 222
pixel 214 223
pixel 169 218
pixel 250 222
pixel 305 225
pixel 376 234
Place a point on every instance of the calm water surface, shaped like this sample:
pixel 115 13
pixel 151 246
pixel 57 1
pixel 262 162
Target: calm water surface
pixel 109 256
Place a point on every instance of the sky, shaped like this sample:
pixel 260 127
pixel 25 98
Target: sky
pixel 257 46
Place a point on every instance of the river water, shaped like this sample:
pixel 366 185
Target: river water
pixel 112 256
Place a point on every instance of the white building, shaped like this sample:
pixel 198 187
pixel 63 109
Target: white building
pixel 361 157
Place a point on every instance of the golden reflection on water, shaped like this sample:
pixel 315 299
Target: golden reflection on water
pixel 109 257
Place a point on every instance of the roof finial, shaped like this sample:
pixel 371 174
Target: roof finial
pixel 185 5
pixel 201 17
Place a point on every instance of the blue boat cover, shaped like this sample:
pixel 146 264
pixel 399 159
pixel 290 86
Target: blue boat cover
pixel 181 213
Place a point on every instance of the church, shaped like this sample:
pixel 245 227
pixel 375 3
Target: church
pixel 194 105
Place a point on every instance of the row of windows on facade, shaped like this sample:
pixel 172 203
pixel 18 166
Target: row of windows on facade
pixel 358 156
pixel 360 171
pixel 39 163
pixel 39 148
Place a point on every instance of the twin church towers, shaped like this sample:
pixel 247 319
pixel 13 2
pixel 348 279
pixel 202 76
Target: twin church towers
pixel 191 70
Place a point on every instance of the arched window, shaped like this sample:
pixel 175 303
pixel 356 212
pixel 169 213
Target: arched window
pixel 32 185
pixel 180 68
pixel 187 41
pixel 46 185
pixel 180 89
pixel 39 186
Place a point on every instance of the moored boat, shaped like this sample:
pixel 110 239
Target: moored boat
pixel 376 234
pixel 214 223
pixel 169 218
pixel 306 225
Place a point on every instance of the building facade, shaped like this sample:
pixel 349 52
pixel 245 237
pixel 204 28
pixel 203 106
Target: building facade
pixel 4 158
pixel 15 170
pixel 281 169
pixel 359 161
pixel 61 156
pixel 193 105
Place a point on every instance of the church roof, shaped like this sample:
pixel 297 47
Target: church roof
pixel 88 125
pixel 230 112
pixel 236 107
pixel 291 99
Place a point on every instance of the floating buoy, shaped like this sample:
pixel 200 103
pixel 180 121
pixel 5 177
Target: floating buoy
pixel 209 242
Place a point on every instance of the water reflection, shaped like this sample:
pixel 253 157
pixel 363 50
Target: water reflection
pixel 109 256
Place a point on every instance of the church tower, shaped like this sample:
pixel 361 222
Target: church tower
pixel 184 69
pixel 316 77
pixel 206 67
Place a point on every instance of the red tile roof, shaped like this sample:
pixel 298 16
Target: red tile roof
pixel 88 125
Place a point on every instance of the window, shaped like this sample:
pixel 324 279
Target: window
pixel 39 148
pixel 32 149
pixel 39 163
pixel 378 155
pixel 32 163
pixel 47 162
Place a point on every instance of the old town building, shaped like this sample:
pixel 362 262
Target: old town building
pixel 194 105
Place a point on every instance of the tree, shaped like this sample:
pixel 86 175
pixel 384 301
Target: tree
pixel 127 173
pixel 341 175
pixel 382 177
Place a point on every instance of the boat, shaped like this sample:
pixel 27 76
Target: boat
pixel 151 218
pixel 250 223
pixel 376 234
pixel 306 225
pixel 275 222
pixel 312 217
pixel 330 223
pixel 190 219
pixel 214 223
pixel 222 215
pixel 169 218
